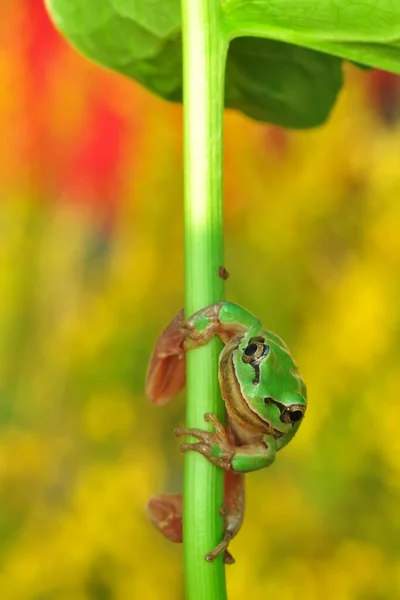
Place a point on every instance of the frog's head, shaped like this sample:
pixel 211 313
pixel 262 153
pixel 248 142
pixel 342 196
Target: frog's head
pixel 270 382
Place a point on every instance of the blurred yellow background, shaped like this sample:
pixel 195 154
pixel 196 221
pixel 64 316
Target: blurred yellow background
pixel 91 269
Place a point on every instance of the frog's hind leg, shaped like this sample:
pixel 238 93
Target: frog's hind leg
pixel 233 513
pixel 165 512
pixel 166 374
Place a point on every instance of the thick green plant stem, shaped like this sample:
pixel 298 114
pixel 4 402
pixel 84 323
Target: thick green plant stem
pixel 204 53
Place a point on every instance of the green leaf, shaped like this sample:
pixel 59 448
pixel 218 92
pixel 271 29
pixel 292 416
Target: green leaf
pixel 363 31
pixel 266 80
pixel 161 17
pixel 140 38
pixel 280 83
pixel 280 69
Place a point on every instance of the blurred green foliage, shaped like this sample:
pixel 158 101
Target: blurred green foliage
pixel 312 248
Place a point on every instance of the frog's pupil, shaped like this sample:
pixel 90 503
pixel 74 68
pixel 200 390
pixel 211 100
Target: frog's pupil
pixel 251 349
pixel 295 416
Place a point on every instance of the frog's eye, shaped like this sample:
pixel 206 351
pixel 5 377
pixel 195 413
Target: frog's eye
pixel 289 414
pixel 255 350
pixel 293 414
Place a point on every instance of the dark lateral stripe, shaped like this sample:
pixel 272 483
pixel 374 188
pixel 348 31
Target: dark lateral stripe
pixel 256 367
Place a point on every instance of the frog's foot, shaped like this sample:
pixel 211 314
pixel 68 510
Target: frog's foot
pixel 216 447
pixel 222 547
pixel 166 373
pixel 165 512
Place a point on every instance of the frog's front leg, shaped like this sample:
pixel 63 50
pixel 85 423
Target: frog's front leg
pixel 225 319
pixel 166 374
pixel 219 448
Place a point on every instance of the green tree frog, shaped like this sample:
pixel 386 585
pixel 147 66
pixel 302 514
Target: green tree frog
pixel 265 400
